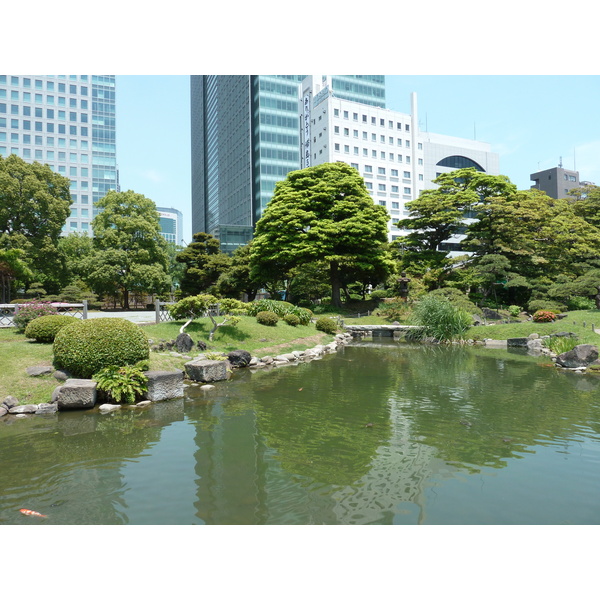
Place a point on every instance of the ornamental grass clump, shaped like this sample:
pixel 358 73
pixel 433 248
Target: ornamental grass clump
pixel 44 329
pixel 440 319
pixel 87 347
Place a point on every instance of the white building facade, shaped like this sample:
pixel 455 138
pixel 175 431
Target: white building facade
pixel 396 160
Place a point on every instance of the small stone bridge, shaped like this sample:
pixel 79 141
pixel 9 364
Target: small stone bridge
pixel 380 330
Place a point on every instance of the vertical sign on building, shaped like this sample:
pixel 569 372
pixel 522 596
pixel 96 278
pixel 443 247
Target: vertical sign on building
pixel 306 149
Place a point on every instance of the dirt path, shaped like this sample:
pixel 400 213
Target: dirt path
pixel 311 341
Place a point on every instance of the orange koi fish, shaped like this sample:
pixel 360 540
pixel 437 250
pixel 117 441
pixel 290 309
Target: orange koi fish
pixel 31 513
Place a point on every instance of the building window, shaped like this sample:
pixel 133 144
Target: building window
pixel 336 112
pixel 420 146
pixel 355 116
pixel 346 131
pixel 406 175
pixel 381 187
pixel 345 114
pixel 407 190
pixel 395 191
pixel 336 147
pixel 336 129
pixel 395 204
pixel 381 170
pixel 368 169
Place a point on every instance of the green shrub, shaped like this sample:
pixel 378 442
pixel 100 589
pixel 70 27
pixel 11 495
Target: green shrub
pixel 267 317
pixel 580 303
pixel 326 325
pixel 544 316
pixel 381 294
pixel 292 320
pixel 126 383
pixel 554 307
pixel 440 319
pixel 87 347
pixel 514 310
pixel 393 311
pixel 30 311
pixel 44 329
pixel 280 308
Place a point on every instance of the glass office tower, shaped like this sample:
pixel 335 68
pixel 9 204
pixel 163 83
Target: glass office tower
pixel 245 137
pixel 67 122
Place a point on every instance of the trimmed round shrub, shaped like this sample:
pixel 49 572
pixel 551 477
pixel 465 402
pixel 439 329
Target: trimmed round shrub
pixel 292 320
pixel 44 329
pixel 549 305
pixel 544 316
pixel 326 325
pixel 266 317
pixel 280 308
pixel 30 311
pixel 85 348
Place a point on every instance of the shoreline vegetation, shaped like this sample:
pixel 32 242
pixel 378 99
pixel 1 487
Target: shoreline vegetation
pixel 17 353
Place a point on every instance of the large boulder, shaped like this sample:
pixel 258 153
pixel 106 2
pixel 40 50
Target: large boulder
pixel 239 358
pixel 184 343
pixel 164 385
pixel 207 370
pixel 75 393
pixel 581 356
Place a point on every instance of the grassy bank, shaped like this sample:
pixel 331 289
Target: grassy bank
pixel 18 353
pixel 573 322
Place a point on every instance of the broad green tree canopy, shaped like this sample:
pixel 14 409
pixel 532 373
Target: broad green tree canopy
pixel 321 213
pixel 129 252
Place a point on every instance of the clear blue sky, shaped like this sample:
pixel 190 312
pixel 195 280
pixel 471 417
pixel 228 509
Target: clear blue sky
pixel 530 121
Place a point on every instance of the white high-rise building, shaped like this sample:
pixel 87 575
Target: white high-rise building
pixel 395 158
pixel 67 122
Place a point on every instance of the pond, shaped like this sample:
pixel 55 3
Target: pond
pixel 381 433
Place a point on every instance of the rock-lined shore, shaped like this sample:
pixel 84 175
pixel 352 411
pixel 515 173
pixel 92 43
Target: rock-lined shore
pixel 162 385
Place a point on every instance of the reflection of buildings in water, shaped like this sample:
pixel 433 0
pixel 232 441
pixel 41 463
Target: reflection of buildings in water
pixel 241 481
pixel 398 474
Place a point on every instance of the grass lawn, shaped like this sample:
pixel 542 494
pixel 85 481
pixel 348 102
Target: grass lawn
pixel 573 322
pixel 18 353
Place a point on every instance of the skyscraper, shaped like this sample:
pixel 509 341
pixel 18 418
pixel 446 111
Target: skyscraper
pixel 170 221
pixel 67 122
pixel 245 138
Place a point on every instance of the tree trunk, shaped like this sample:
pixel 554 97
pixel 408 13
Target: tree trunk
pixel 334 274
pixel 125 299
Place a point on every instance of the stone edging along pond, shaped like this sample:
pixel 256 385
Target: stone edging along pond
pixel 162 385
pixel 165 385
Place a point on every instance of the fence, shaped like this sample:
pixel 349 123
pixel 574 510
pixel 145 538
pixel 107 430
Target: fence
pixel 8 311
pixel 163 315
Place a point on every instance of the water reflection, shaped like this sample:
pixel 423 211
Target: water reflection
pixel 378 433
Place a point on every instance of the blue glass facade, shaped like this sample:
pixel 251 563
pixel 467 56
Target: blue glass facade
pixel 67 122
pixel 246 138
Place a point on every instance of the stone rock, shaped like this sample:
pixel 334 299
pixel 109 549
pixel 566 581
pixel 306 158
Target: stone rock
pixel 75 393
pixel 206 370
pixel 201 345
pixel 288 357
pixel 207 387
pixel 10 401
pixel 163 385
pixel 580 356
pixel 46 409
pixel 254 361
pixel 239 358
pixel 517 342
pixel 60 375
pixel 3 410
pixel 488 313
pixel 37 371
pixel 106 408
pixel 534 336
pixel 267 360
pixel 184 343
pixel 24 408
pixel 143 403
pixel 496 343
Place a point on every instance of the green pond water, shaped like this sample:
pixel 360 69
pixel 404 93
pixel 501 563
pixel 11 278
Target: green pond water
pixel 382 433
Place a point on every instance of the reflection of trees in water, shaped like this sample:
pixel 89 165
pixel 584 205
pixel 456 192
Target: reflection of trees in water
pixel 478 408
pixel 71 471
pixel 315 416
